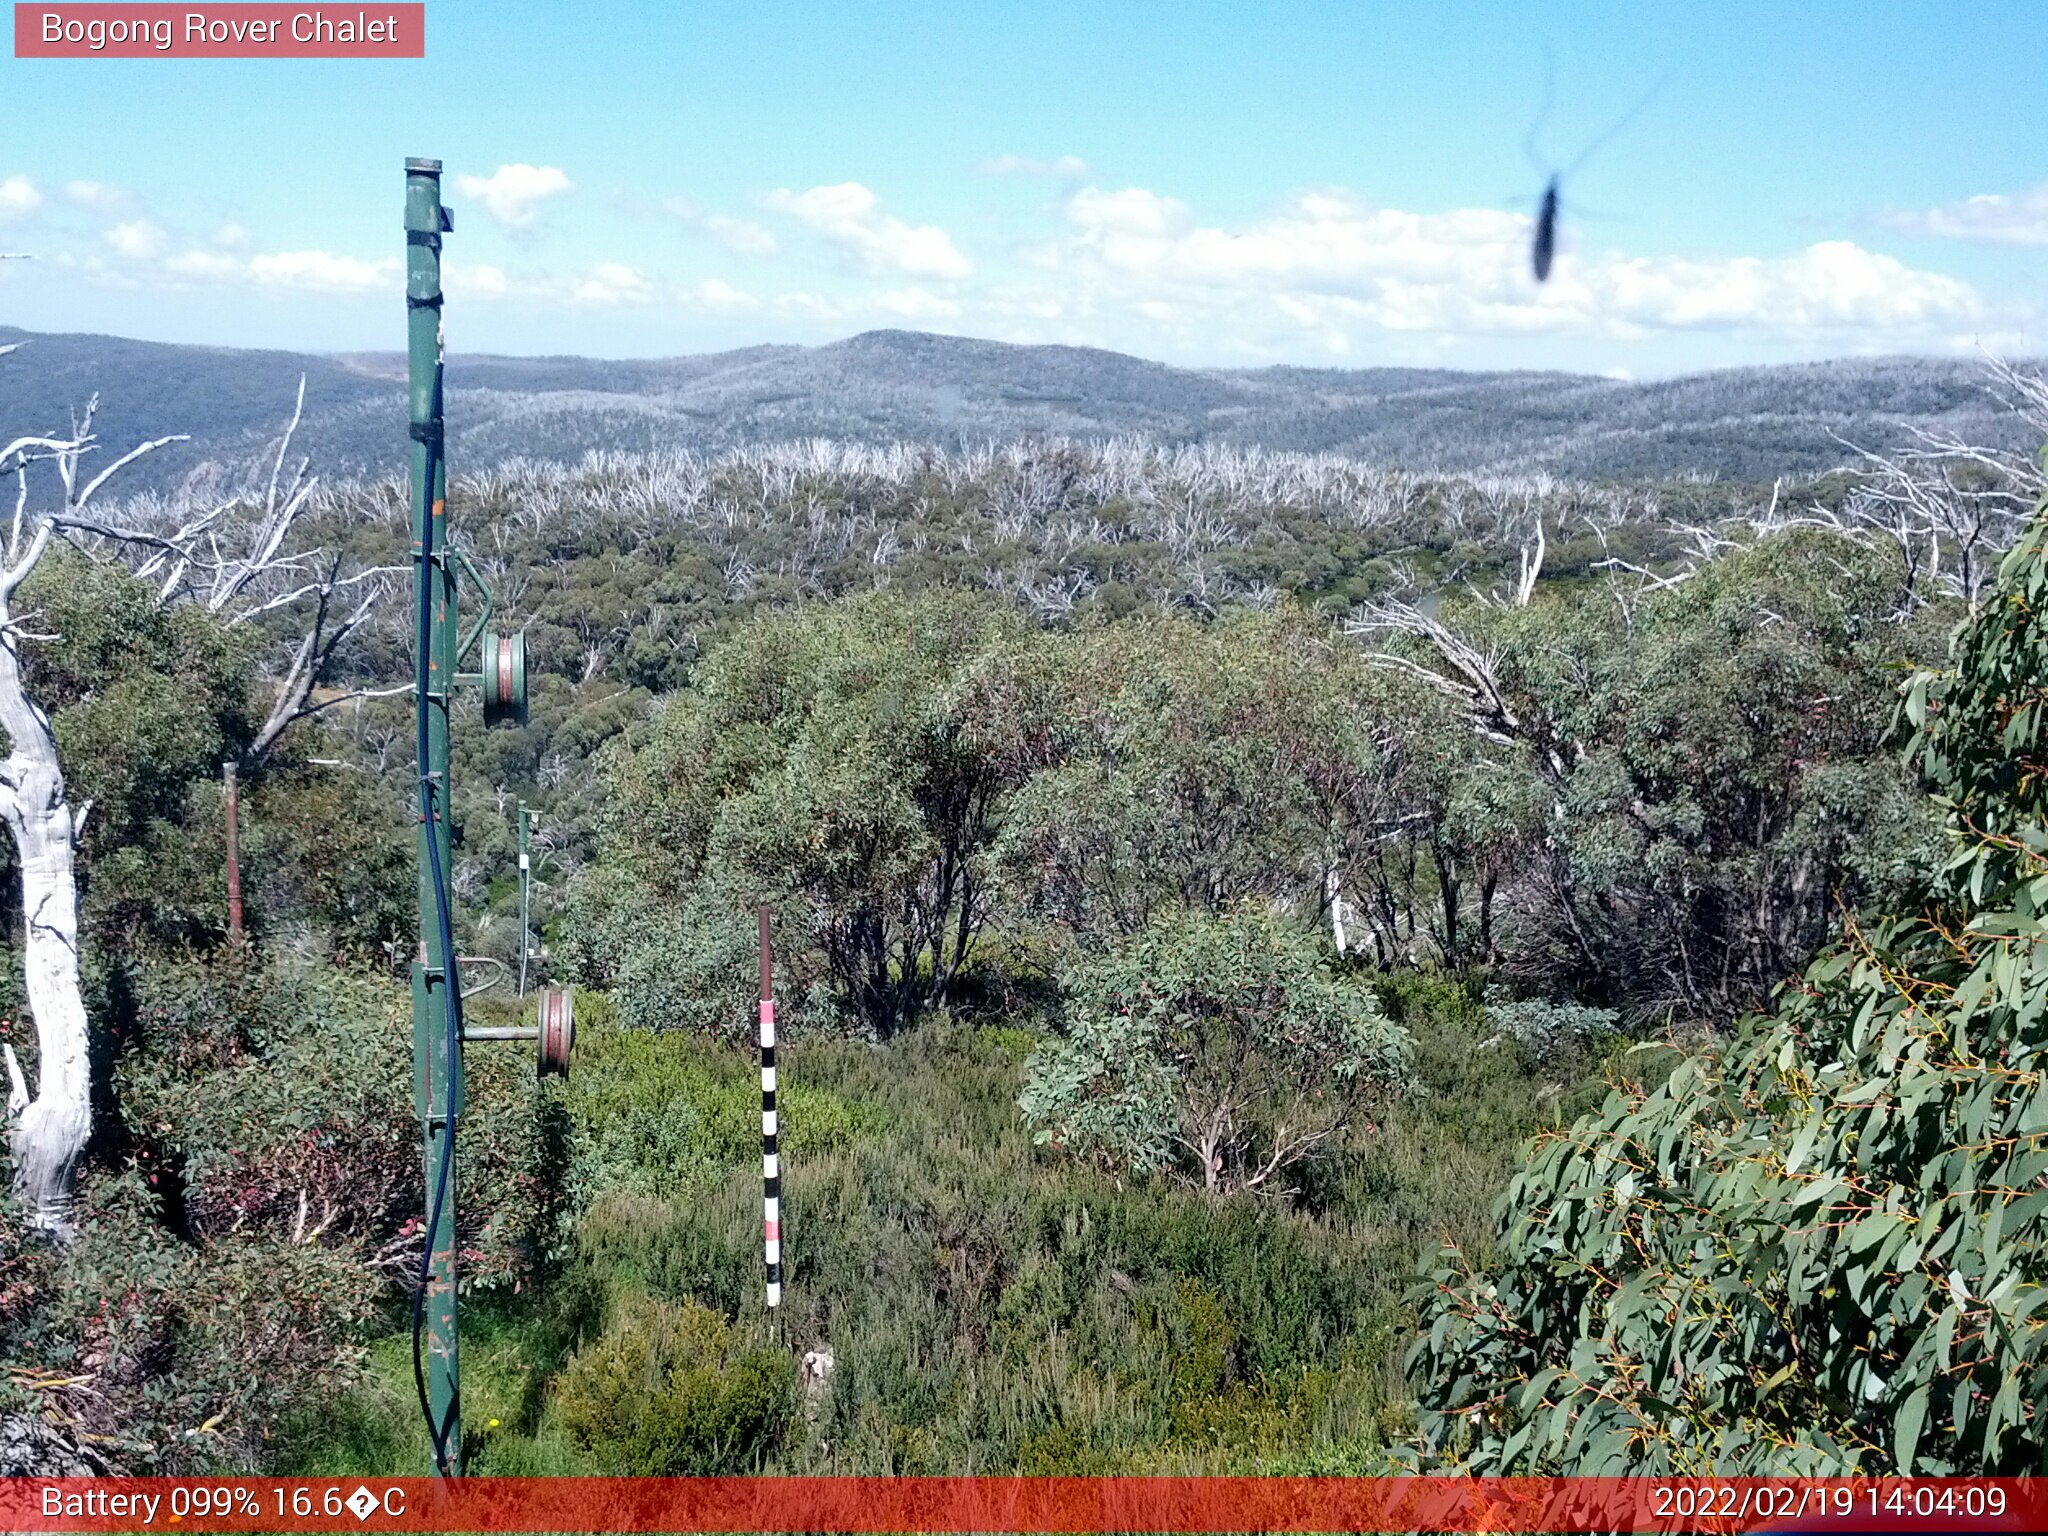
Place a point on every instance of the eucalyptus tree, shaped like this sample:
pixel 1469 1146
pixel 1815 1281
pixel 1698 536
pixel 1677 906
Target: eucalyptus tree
pixel 1695 781
pixel 1201 764
pixel 49 1128
pixel 236 560
pixel 1822 1249
pixel 847 762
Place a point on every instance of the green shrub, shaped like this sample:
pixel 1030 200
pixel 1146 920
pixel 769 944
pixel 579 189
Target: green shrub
pixel 991 1308
pixel 167 1357
pixel 845 765
pixel 1547 1029
pixel 685 961
pixel 264 1156
pixel 672 1390
pixel 277 1100
pixel 658 1113
pixel 1016 1042
pixel 1411 997
pixel 1219 1049
pixel 329 853
pixel 250 1089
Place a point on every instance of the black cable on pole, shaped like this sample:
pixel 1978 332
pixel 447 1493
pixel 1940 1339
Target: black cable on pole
pixel 452 991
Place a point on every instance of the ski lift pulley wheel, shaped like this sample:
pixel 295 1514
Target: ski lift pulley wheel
pixel 557 1030
pixel 504 678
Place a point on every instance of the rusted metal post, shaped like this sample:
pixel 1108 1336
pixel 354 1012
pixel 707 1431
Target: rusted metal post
pixel 233 795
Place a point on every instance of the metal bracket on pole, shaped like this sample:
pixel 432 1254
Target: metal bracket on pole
pixel 483 615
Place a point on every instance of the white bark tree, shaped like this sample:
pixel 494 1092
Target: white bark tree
pixel 49 1128
pixel 235 559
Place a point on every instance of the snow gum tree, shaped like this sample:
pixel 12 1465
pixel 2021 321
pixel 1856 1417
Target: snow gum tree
pixel 49 1128
pixel 236 559
pixel 1820 1250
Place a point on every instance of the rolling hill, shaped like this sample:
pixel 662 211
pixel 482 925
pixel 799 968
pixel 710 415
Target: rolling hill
pixel 1747 423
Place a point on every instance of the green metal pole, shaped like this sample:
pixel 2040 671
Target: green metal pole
pixel 437 1069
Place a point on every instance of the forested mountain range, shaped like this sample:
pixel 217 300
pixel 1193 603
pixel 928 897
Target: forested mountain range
pixel 889 386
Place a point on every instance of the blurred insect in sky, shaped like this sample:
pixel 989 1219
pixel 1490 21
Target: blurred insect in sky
pixel 1544 246
pixel 1543 240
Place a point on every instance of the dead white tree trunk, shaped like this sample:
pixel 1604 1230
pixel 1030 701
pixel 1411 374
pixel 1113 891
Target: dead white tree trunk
pixel 49 1127
pixel 188 559
pixel 1531 565
pixel 48 1130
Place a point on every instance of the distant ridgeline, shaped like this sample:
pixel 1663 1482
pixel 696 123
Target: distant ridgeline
pixel 1740 424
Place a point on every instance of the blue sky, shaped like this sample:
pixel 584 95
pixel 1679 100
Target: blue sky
pixel 1215 183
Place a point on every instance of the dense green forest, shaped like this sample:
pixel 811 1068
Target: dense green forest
pixel 1287 966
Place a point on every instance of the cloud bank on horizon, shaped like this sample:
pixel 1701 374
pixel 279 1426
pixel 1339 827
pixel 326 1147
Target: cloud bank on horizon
pixel 1322 276
pixel 2019 218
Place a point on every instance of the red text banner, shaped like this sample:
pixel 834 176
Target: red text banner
pixel 1028 1504
pixel 241 31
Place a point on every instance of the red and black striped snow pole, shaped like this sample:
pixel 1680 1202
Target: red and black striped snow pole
pixel 771 1162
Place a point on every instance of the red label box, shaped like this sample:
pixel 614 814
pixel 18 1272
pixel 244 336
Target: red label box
pixel 869 1506
pixel 367 29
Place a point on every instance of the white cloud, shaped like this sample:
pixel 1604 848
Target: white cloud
pixel 19 197
pixel 1321 275
pixel 323 272
pixel 1065 167
pixel 1132 211
pixel 1326 267
pixel 1318 240
pixel 2019 218
pixel 512 193
pixel 137 240
pixel 1834 284
pixel 849 215
pixel 611 282
pixel 302 271
pixel 742 235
